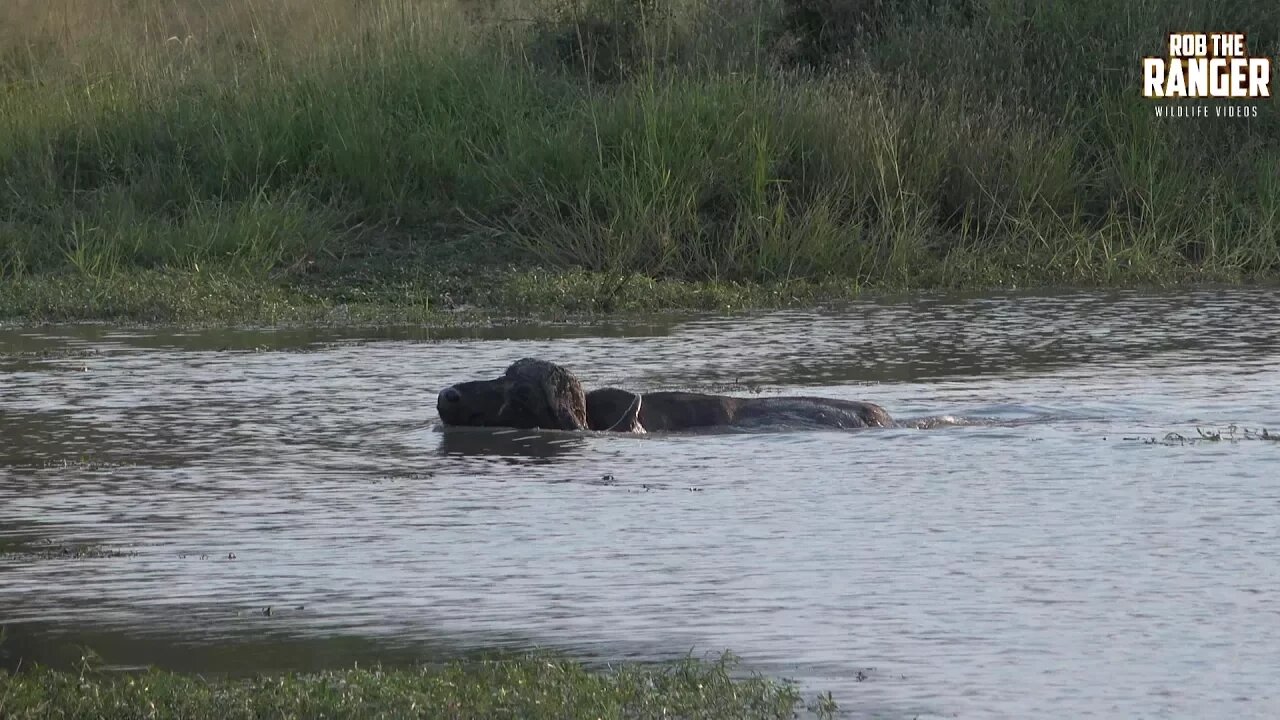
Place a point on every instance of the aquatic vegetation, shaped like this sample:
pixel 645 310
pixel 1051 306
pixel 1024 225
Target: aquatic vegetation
pixel 526 687
pixel 48 549
pixel 1230 434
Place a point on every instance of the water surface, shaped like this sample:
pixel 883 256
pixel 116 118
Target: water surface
pixel 1034 555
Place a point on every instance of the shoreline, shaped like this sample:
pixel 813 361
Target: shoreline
pixel 509 296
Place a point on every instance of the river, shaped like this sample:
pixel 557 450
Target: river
pixel 1050 534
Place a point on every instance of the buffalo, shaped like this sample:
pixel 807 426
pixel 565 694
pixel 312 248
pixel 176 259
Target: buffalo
pixel 536 393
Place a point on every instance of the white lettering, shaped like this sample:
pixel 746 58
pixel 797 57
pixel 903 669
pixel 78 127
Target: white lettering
pixel 1153 77
pixel 1239 77
pixel 1260 77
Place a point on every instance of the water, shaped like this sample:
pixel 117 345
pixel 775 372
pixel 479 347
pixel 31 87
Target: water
pixel 1033 554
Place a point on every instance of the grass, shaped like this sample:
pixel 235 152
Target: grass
pixel 525 687
pixel 187 161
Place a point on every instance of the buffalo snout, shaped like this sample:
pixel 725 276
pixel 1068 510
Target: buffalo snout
pixel 449 405
pixel 474 404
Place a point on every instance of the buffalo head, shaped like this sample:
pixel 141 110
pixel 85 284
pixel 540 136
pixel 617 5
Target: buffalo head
pixel 530 394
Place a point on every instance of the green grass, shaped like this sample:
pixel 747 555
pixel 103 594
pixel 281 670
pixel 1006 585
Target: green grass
pixel 171 159
pixel 208 298
pixel 520 687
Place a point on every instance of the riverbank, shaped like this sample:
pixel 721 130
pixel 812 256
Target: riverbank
pixel 526 687
pixel 483 295
pixel 308 160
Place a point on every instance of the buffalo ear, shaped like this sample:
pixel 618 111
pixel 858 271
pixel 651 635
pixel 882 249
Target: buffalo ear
pixel 568 403
pixel 568 419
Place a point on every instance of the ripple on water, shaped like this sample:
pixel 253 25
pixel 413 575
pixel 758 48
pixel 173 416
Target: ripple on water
pixel 1020 551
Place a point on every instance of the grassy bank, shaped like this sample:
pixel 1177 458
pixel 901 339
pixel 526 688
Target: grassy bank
pixel 529 687
pixel 301 160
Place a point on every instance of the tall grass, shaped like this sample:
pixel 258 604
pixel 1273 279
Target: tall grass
pixel 929 142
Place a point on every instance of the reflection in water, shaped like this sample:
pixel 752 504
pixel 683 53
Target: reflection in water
pixel 262 644
pixel 508 446
pixel 1025 554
